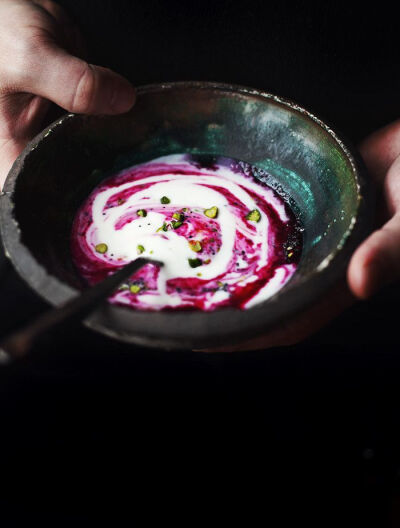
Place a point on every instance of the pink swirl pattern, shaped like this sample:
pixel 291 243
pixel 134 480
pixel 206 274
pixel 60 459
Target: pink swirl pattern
pixel 226 239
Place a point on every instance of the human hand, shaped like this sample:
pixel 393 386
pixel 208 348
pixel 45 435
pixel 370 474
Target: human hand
pixel 376 261
pixel 39 49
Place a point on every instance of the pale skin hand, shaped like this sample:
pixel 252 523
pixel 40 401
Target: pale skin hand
pixel 377 261
pixel 39 63
pixel 39 48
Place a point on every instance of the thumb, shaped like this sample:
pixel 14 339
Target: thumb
pixel 80 87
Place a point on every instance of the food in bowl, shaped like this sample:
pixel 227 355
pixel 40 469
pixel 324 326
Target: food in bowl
pixel 225 238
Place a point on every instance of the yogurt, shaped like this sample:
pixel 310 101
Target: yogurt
pixel 226 240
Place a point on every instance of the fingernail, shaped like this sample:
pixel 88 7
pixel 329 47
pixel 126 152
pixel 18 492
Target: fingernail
pixel 123 98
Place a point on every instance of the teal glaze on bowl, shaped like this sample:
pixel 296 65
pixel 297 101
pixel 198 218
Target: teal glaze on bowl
pixel 297 154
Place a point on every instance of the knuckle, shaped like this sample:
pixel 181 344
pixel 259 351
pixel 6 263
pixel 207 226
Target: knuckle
pixel 26 53
pixel 21 43
pixel 83 94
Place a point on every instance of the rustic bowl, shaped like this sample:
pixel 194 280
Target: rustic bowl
pixel 305 159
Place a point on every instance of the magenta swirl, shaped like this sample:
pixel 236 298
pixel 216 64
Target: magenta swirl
pixel 225 238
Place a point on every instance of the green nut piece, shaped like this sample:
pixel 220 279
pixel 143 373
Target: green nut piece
pixel 254 216
pixel 195 245
pixel 140 249
pixel 165 200
pixel 164 227
pixel 101 248
pixel 134 288
pixel 176 224
pixel 178 216
pixel 142 212
pixel 195 263
pixel 212 212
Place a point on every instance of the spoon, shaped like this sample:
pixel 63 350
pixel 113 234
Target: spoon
pixel 19 343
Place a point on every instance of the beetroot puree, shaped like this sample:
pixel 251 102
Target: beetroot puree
pixel 225 238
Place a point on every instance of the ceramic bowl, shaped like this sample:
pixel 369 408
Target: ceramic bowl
pixel 305 159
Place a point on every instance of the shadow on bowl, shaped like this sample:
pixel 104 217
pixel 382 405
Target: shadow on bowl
pixel 303 158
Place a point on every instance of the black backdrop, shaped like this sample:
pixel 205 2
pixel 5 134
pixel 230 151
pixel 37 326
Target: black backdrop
pixel 93 430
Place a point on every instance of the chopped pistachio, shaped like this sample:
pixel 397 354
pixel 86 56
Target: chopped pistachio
pixel 101 248
pixel 195 245
pixel 199 274
pixel 220 284
pixel 142 212
pixel 290 254
pixel 195 263
pixel 254 215
pixel 151 252
pixel 135 288
pixel 165 200
pixel 178 216
pixel 184 209
pixel 212 212
pixel 164 227
pixel 176 224
pixel 140 249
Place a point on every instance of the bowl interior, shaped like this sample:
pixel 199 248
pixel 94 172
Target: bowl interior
pixel 296 154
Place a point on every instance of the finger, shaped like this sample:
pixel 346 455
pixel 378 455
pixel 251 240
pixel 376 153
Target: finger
pixel 380 149
pixel 391 189
pixel 79 87
pixel 21 116
pixel 377 261
pixel 18 127
pixel 9 151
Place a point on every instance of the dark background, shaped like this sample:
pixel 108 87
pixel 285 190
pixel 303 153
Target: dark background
pixel 92 430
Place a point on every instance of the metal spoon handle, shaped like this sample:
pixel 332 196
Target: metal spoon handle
pixel 19 343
